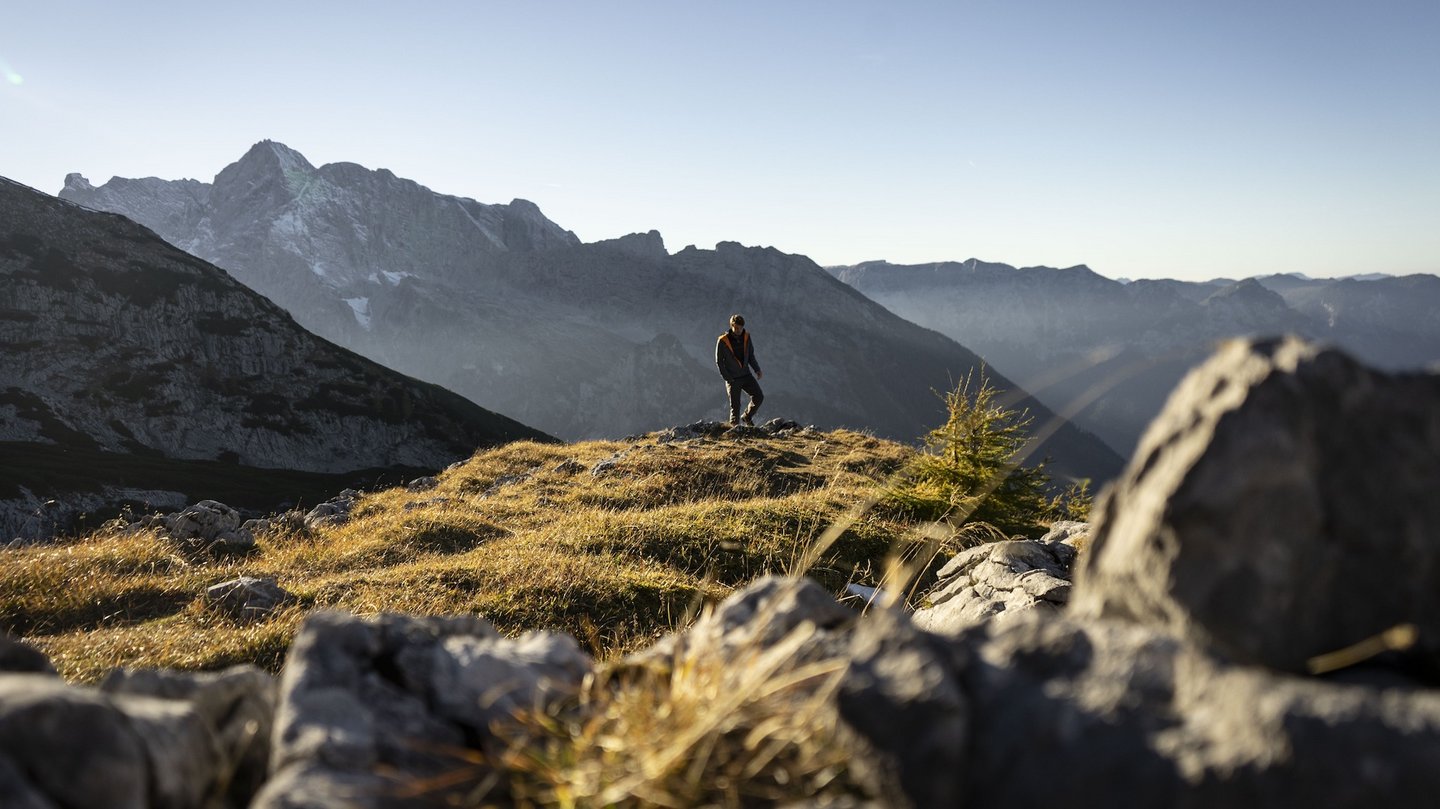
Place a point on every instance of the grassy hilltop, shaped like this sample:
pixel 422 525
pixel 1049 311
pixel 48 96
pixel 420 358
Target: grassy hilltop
pixel 515 534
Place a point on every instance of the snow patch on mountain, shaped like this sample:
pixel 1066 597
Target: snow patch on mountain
pixel 361 308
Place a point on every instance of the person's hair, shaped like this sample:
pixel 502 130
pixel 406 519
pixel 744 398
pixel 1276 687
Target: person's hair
pixel 736 320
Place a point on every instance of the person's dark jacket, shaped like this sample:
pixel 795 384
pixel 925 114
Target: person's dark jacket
pixel 735 355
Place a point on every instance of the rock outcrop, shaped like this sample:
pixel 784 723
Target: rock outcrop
pixel 372 709
pixel 146 739
pixel 1000 581
pixel 1282 507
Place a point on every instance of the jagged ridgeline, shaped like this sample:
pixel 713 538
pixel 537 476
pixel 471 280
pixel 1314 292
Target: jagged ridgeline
pixel 131 371
pixel 507 308
pixel 1121 347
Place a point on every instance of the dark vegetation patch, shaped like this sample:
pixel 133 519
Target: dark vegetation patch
pixel 388 403
pixel 133 384
pixel 31 407
pixel 54 471
pixel 17 245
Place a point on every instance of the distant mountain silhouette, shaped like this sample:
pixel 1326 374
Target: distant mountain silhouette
pixel 131 365
pixel 582 340
pixel 1117 348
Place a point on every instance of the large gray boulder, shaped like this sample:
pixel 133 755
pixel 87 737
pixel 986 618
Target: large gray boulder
pixel 1115 713
pixel 166 740
pixel 371 708
pixel 1283 506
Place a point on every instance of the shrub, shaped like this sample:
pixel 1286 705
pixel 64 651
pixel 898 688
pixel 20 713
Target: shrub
pixel 970 472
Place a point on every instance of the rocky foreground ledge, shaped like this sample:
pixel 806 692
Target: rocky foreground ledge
pixel 1254 622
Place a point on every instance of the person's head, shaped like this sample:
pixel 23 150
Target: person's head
pixel 737 323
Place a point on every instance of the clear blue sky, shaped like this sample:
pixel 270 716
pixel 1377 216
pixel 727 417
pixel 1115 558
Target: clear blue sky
pixel 1146 139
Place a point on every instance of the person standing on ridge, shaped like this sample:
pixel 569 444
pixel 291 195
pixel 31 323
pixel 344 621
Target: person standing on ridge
pixel 735 356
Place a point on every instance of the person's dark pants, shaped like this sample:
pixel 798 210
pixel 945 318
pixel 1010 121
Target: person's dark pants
pixel 748 384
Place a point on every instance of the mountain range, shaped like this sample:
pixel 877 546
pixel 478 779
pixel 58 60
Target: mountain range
pixel 1112 351
pixel 505 307
pixel 135 372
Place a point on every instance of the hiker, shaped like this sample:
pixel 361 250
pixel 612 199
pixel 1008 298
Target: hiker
pixel 735 356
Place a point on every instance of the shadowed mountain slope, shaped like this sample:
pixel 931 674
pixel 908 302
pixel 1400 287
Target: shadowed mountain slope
pixel 123 354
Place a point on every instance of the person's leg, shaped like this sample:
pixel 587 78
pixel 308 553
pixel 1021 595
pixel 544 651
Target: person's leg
pixel 752 387
pixel 732 389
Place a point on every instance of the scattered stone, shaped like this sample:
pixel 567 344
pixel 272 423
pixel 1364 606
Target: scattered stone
pixel 18 656
pixel 208 525
pixel 287 521
pixel 998 581
pixel 607 465
pixel 570 466
pixel 1281 507
pixel 507 480
pixel 424 484
pixel 699 429
pixel 333 512
pixel 248 597
pixel 778 426
pixel 1070 532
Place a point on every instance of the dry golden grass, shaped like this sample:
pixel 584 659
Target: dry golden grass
pixel 616 560
pixel 759 729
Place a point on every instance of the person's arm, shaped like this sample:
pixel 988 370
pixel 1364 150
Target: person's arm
pixel 719 358
pixel 750 344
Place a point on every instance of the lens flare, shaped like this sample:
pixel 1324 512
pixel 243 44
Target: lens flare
pixel 11 77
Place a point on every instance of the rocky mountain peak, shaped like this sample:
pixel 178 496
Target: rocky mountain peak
pixel 1248 293
pixel 75 181
pixel 269 170
pixel 275 155
pixel 641 245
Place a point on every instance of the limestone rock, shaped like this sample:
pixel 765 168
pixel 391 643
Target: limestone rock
pixel 1127 715
pixel 237 706
pixel 755 617
pixel 1281 507
pixel 570 466
pixel 423 484
pixel 63 746
pixel 209 525
pixel 332 512
pixel 247 598
pixel 902 693
pixel 998 581
pixel 370 707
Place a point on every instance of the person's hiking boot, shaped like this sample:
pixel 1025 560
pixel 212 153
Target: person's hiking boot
pixel 746 420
